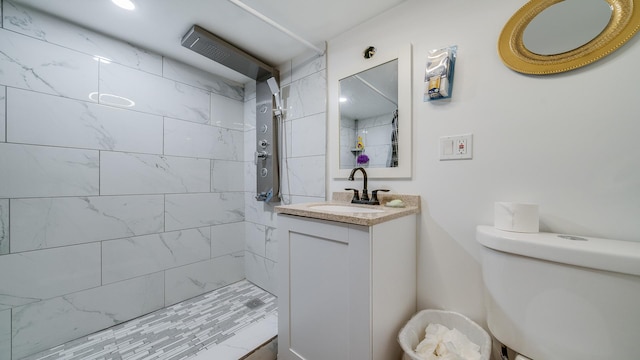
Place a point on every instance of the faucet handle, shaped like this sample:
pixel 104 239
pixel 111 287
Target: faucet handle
pixel 374 196
pixel 356 197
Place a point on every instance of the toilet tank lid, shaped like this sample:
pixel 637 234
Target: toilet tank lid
pixel 603 254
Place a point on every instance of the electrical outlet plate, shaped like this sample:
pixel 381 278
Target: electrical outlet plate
pixel 456 147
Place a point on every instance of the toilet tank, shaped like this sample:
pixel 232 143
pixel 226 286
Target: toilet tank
pixel 551 296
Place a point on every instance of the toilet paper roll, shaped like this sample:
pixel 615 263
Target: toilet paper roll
pixel 516 217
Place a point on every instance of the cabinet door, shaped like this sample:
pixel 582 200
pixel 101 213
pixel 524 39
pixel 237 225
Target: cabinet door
pixel 316 316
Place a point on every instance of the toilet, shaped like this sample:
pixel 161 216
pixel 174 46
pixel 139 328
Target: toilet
pixel 558 297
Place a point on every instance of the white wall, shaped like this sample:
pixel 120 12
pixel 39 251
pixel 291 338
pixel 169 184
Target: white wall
pixel 109 212
pixel 566 142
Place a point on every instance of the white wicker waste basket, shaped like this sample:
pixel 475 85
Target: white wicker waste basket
pixel 413 332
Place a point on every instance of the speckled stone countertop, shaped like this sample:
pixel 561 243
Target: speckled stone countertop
pixel 315 211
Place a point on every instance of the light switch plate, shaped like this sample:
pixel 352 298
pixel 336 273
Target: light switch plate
pixel 456 147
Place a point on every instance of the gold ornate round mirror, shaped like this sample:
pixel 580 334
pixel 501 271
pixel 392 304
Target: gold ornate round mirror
pixel 623 24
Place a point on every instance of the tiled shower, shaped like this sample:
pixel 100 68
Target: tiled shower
pixel 127 179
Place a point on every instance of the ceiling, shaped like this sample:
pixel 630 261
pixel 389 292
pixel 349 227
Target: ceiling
pixel 158 25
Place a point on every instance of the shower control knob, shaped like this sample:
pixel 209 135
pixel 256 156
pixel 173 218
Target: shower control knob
pixel 262 155
pixel 264 128
pixel 264 172
pixel 263 143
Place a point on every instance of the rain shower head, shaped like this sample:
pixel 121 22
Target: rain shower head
pixel 217 49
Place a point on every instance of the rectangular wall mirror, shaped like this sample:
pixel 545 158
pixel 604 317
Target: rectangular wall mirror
pixel 373 106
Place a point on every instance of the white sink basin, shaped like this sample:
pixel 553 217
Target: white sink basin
pixel 346 209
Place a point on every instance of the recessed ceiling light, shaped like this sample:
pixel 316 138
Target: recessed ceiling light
pixel 343 99
pixel 125 4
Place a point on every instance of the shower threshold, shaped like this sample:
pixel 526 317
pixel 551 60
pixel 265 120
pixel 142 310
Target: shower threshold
pixel 238 321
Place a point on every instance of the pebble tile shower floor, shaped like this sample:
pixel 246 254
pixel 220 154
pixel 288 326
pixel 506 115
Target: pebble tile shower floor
pixel 217 325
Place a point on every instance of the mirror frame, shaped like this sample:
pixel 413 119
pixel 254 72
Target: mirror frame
pixel 624 23
pixel 405 123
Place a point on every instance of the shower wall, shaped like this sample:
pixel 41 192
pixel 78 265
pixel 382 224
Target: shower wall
pixel 304 93
pixel 121 186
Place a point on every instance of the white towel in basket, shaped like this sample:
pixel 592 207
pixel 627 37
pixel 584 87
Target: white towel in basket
pixel 441 343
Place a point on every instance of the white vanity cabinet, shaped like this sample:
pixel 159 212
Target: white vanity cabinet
pixel 345 290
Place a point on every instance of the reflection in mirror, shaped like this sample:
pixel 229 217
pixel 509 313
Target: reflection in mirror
pixel 566 25
pixel 369 118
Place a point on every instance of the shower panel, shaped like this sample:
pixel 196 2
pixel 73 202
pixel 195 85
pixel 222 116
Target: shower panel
pixel 266 156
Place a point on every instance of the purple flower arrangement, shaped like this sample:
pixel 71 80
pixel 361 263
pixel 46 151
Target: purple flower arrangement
pixel 362 159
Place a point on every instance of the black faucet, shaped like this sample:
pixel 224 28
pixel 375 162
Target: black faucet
pixel 364 199
pixel 365 193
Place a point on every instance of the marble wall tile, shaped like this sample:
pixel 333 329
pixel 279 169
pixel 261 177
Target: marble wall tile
pixel 287 137
pixel 44 27
pixel 37 275
pixel 191 280
pixel 249 146
pixel 181 72
pixel 32 64
pixel 249 113
pixel 307 64
pixel 37 171
pixel 271 244
pixel 255 238
pixel 285 73
pixel 306 96
pixel 226 112
pixel 261 271
pixel 227 239
pixel 50 222
pixel 306 176
pixel 154 94
pixel 250 176
pixel 295 199
pixel 128 258
pixel 227 176
pixel 65 122
pixel 44 324
pixel 250 90
pixel 126 173
pixel 378 155
pixel 258 211
pixel 184 138
pixel 184 211
pixel 5 334
pixel 3 113
pixel 4 226
pixel 310 135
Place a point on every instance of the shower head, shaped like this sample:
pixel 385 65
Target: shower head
pixel 219 50
pixel 273 85
pixel 275 90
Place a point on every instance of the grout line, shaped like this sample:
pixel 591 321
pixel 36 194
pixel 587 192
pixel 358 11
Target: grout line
pixel 101 264
pixel 11 337
pixel 9 224
pixel 99 173
pixel 6 112
pixel 125 151
pixel 164 121
pixel 101 241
